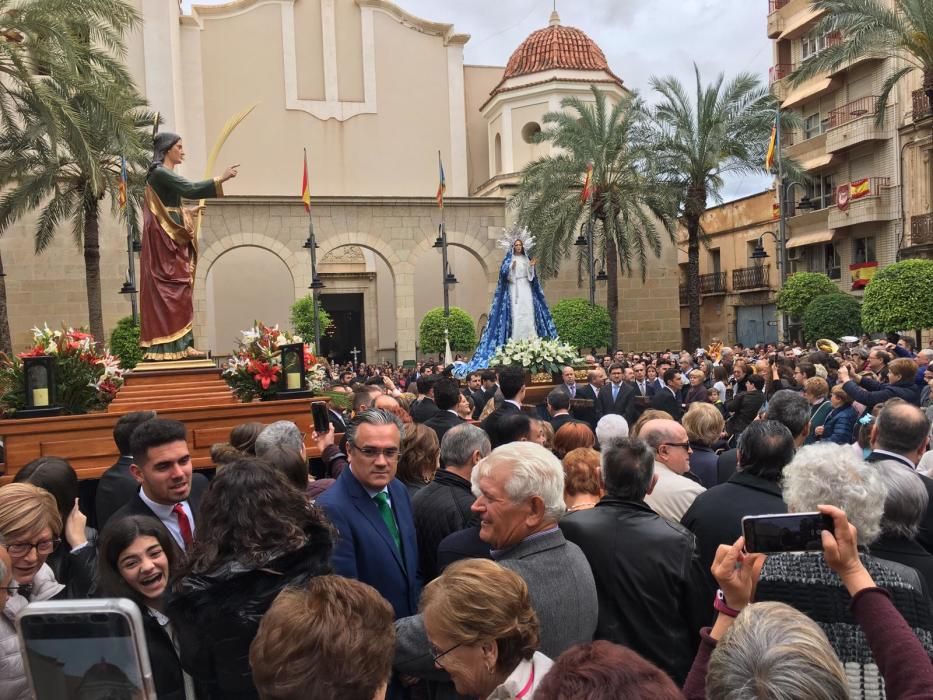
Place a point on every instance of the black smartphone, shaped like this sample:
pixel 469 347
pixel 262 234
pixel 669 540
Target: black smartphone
pixel 320 417
pixel 785 532
pixel 72 646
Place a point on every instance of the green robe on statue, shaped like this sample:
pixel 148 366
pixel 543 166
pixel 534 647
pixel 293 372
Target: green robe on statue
pixel 167 264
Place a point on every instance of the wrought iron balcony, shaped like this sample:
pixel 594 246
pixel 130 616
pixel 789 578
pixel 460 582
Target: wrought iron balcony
pixel 852 111
pixel 713 283
pixel 921 229
pixel 755 277
pixel 921 105
pixel 779 71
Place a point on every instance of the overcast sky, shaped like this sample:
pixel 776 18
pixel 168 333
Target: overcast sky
pixel 640 38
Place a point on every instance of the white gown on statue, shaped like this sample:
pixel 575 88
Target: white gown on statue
pixel 523 311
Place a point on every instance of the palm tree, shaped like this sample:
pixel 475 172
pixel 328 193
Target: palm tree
pixel 723 131
pixel 628 200
pixel 67 113
pixel 869 26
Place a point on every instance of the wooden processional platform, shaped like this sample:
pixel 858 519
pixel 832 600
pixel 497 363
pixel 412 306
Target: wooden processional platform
pixel 191 391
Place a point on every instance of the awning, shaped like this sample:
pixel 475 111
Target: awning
pixel 799 24
pixel 810 89
pixel 818 162
pixel 810 239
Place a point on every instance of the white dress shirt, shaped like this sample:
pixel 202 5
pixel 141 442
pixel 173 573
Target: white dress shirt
pixel 168 517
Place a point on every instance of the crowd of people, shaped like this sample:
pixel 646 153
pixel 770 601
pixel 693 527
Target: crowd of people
pixel 460 540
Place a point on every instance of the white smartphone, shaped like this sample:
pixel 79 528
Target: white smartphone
pixel 76 649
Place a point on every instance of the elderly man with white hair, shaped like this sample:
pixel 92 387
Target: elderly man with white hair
pixel 519 491
pixel 611 427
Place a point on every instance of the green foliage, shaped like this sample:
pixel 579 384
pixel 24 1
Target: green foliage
pixel 801 288
pixel 462 333
pixel 832 316
pixel 580 324
pixel 124 343
pixel 302 319
pixel 899 297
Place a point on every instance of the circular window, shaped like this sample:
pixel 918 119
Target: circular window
pixel 530 131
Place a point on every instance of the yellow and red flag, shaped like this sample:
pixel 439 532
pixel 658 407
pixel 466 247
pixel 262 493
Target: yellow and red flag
pixel 306 186
pixel 441 183
pixel 121 197
pixel 772 145
pixel 862 274
pixel 859 188
pixel 587 184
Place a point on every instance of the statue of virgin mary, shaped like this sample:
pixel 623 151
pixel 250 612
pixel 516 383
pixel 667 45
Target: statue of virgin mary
pixel 518 310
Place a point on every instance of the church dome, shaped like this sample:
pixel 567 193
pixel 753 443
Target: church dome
pixel 557 47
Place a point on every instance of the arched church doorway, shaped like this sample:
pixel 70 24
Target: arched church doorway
pixel 246 284
pixel 359 295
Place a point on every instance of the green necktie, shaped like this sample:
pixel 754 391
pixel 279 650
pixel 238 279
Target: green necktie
pixel 385 510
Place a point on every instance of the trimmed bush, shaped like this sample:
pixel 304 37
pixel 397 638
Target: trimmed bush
pixel 801 288
pixel 462 333
pixel 302 319
pixel 832 316
pixel 582 325
pixel 899 298
pixel 124 343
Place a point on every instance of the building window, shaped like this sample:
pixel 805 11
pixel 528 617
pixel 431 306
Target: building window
pixel 813 43
pixel 832 263
pixel 822 191
pixel 498 153
pixel 813 126
pixel 864 250
pixel 715 261
pixel 530 131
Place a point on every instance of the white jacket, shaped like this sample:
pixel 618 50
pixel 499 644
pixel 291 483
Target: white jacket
pixel 13 685
pixel 524 680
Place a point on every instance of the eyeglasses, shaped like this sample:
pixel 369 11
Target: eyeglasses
pixel 684 445
pixel 435 654
pixel 11 590
pixel 390 453
pixel 21 549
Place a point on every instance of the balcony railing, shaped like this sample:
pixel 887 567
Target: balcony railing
pixel 755 277
pixel 713 283
pixel 779 71
pixel 921 229
pixel 775 5
pixel 921 105
pixel 852 111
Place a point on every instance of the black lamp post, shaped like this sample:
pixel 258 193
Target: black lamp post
pixel 316 284
pixel 586 239
pixel 447 276
pixel 39 375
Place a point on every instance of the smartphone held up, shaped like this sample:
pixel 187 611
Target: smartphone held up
pixel 785 532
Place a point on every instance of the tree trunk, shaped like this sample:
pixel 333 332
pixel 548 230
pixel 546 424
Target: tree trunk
pixel 612 291
pixel 6 342
pixel 694 338
pixel 92 269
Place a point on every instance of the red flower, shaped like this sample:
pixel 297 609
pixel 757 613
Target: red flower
pixel 35 352
pixel 264 373
pixel 78 335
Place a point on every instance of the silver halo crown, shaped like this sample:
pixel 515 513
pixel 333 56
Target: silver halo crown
pixel 516 233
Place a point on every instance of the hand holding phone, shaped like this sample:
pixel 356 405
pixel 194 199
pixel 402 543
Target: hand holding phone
pixel 320 417
pixel 736 573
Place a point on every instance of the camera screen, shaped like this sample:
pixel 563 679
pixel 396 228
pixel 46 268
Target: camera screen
pixel 86 656
pixel 786 533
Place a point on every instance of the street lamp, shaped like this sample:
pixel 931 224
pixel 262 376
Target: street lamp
pixel 587 240
pixel 316 284
pixel 447 276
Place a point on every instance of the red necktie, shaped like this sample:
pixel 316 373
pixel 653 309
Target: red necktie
pixel 183 524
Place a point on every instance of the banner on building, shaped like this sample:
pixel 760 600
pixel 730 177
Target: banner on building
pixel 842 197
pixel 860 188
pixel 862 273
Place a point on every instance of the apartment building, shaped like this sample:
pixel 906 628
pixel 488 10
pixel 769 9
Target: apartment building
pixel 845 217
pixel 916 136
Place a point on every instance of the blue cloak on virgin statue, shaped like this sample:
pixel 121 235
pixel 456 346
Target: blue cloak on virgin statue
pixel 518 309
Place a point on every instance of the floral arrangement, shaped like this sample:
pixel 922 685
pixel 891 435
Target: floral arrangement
pixel 86 378
pixel 254 368
pixel 537 355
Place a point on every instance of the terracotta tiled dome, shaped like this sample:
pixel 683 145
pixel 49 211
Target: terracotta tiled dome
pixel 556 47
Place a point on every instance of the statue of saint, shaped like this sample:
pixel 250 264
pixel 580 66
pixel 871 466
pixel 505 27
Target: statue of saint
pixel 520 278
pixel 170 253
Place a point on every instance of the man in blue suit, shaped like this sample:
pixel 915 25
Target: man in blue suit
pixel 376 540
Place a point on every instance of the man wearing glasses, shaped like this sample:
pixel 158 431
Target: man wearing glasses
pixel 376 541
pixel 674 492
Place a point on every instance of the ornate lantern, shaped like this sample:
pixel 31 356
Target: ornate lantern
pixel 39 373
pixel 292 378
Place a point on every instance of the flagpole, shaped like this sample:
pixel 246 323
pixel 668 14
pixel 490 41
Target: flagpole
pixel 444 252
pixel 782 210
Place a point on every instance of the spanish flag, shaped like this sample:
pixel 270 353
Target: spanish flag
pixel 862 274
pixel 587 184
pixel 121 197
pixel 306 186
pixel 772 144
pixel 859 188
pixel 442 182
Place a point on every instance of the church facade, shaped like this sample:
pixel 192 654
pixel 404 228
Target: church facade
pixel 374 94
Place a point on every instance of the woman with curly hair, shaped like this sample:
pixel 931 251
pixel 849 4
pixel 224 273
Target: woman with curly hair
pixel 256 535
pixel 420 452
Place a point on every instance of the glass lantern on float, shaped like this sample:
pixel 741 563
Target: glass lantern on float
pixel 39 376
pixel 292 383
